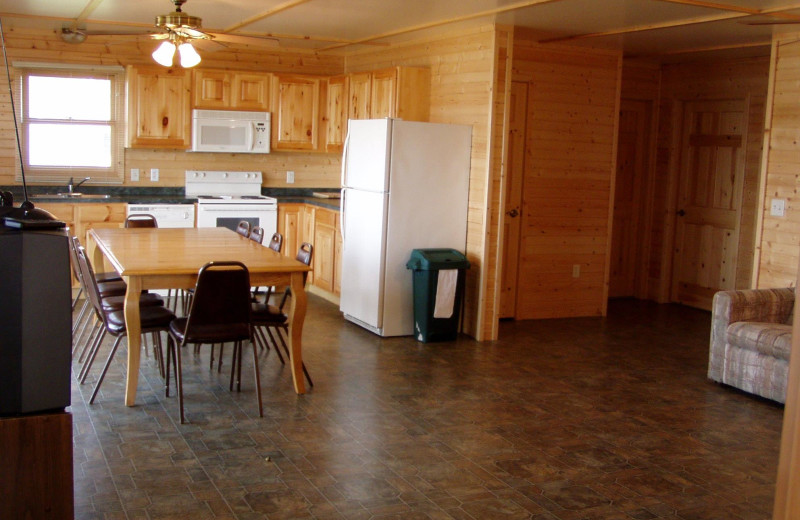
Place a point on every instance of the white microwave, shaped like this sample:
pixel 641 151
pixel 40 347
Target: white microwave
pixel 230 131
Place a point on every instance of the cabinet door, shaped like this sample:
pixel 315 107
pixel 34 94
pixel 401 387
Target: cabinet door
pixel 96 216
pixel 383 94
pixel 212 89
pixel 290 224
pixel 324 244
pixel 358 103
pixel 250 91
pixel 296 117
pixel 336 114
pixel 159 114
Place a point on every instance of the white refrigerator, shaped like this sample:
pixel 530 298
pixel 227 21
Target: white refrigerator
pixel 405 186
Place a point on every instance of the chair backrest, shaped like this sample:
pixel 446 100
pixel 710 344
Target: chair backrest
pixel 257 234
pixel 220 307
pixel 305 253
pixel 74 243
pixel 276 242
pixel 141 220
pixel 243 228
pixel 89 281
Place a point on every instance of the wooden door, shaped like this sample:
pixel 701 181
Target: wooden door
pixel 358 104
pixel 709 200
pixel 383 94
pixel 511 220
pixel 626 267
pixel 296 118
pixel 336 114
pixel 250 91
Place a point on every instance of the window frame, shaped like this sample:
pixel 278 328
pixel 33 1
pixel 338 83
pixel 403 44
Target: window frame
pixel 61 174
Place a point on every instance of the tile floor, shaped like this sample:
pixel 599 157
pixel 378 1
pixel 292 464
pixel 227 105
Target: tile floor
pixel 571 419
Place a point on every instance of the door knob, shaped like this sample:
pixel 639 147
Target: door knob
pixel 513 213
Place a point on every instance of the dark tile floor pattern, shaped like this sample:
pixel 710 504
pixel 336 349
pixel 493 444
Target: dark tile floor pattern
pixel 571 419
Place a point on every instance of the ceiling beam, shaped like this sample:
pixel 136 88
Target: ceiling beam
pixel 275 10
pixel 735 12
pixel 87 11
pixel 775 12
pixel 438 23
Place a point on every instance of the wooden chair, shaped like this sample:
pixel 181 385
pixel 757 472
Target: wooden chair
pixel 266 317
pixel 219 313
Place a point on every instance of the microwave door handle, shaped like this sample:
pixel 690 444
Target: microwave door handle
pixel 251 138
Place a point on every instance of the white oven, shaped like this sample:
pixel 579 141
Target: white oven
pixel 167 215
pixel 226 198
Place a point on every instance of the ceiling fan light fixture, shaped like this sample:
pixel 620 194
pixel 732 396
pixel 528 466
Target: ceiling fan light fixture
pixel 164 53
pixel 189 56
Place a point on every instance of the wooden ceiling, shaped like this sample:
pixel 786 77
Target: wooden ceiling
pixel 639 27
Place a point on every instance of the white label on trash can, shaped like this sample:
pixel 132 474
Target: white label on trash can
pixel 445 293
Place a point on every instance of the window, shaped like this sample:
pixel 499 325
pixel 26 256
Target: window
pixel 71 124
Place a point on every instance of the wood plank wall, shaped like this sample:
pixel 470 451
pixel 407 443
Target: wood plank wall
pixel 780 236
pixel 569 173
pixel 718 79
pixel 312 169
pixel 463 74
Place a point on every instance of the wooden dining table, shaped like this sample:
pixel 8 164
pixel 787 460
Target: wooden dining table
pixel 160 258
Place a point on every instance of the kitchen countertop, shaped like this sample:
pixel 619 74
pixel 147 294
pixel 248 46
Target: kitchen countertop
pixel 119 194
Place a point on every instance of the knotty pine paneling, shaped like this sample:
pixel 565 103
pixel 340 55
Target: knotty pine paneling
pixel 311 169
pixel 573 97
pixel 467 87
pixel 779 245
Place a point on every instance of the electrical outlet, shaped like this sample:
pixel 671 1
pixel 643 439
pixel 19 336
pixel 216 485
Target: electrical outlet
pixel 134 174
pixel 777 208
pixel 290 177
pixel 576 270
pixel 154 174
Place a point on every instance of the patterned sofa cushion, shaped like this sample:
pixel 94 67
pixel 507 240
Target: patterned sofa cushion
pixel 771 339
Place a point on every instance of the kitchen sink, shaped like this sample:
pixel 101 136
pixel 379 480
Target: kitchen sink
pixel 73 195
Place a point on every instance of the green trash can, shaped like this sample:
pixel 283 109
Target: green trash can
pixel 437 312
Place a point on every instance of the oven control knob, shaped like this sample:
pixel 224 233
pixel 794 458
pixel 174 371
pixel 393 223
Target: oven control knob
pixel 225 175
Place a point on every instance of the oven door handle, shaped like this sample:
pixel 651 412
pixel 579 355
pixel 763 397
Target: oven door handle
pixel 237 208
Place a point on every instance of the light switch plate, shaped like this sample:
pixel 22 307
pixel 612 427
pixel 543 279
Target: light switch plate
pixel 134 174
pixel 154 174
pixel 290 177
pixel 777 208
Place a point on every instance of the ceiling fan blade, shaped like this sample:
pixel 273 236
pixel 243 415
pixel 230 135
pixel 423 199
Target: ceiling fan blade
pixel 208 45
pixel 260 41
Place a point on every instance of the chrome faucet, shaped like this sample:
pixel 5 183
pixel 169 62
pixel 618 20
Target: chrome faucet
pixel 71 184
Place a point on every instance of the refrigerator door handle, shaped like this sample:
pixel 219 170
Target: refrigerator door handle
pixel 341 213
pixel 345 149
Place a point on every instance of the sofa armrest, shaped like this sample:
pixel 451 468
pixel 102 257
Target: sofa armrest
pixel 767 305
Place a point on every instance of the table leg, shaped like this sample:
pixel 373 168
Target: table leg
pixel 297 314
pixel 133 325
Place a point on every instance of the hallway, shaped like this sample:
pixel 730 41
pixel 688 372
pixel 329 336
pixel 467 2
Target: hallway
pixel 567 419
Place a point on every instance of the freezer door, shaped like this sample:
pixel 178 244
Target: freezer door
pixel 366 157
pixel 363 257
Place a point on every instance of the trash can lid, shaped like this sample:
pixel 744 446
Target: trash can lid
pixel 434 259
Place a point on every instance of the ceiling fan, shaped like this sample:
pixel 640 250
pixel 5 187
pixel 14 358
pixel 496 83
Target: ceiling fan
pixel 177 28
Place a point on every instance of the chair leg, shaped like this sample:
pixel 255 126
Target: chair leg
pixel 169 369
pixel 92 355
pixel 158 353
pixel 277 349
pixel 179 379
pixel 219 363
pixel 258 379
pixel 79 317
pixel 96 326
pixel 105 368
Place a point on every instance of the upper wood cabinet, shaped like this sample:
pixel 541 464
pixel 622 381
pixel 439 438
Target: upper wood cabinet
pixel 335 117
pixel 224 90
pixel 159 107
pixel 296 112
pixel 402 92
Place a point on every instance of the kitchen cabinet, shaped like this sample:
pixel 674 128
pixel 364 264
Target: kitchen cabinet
pixel 231 90
pixel 324 248
pixel 290 226
pixel 159 107
pixel 336 113
pixel 402 92
pixel 296 112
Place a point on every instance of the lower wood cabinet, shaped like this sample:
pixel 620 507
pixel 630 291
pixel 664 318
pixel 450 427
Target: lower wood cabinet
pixel 298 223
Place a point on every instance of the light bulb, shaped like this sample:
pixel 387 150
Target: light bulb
pixel 164 54
pixel 189 56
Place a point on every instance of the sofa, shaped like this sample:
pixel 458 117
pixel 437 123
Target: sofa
pixel 751 338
